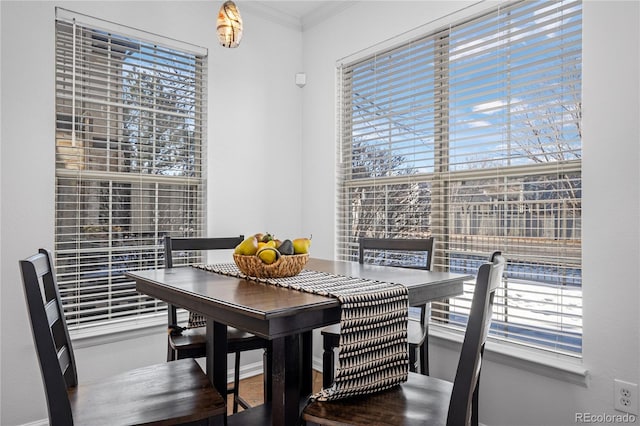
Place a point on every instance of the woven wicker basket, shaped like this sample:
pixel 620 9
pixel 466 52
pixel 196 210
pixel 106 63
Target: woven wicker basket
pixel 286 266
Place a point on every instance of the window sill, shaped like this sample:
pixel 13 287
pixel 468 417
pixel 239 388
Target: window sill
pixel 118 331
pixel 538 362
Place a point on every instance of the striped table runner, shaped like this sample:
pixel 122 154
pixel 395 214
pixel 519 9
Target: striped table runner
pixel 373 352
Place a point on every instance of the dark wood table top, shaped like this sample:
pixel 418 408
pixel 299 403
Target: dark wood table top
pixel 267 310
pixel 255 299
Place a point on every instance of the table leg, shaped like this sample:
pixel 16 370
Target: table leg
pixel 307 364
pixel 267 363
pixel 216 361
pixel 286 380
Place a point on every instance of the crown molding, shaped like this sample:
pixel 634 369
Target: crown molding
pixel 327 10
pixel 263 10
pixel 312 18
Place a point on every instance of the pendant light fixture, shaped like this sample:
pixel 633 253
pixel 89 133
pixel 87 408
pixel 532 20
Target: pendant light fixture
pixel 229 25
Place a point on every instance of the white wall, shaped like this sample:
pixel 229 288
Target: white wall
pixel 254 131
pixel 611 198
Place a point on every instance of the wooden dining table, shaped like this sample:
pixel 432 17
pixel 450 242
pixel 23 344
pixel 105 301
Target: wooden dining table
pixel 284 316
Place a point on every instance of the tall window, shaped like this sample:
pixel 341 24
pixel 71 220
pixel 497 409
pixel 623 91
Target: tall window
pixel 129 165
pixel 472 135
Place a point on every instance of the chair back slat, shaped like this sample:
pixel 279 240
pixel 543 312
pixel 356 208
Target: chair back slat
pixel 465 385
pixel 40 265
pixel 218 243
pixel 50 334
pixel 197 244
pixel 53 315
pixel 64 360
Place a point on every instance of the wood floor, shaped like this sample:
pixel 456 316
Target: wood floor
pixel 252 392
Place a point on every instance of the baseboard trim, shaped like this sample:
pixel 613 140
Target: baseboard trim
pixel 41 422
pixel 246 371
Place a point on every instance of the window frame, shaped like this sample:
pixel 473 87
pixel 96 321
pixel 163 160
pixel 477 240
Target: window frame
pixel 119 191
pixel 439 176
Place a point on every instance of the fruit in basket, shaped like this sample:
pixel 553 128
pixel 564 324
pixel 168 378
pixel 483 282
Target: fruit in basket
pixel 268 255
pixel 255 243
pixel 248 247
pixel 266 238
pixel 260 256
pixel 301 245
pixel 270 243
pixel 286 248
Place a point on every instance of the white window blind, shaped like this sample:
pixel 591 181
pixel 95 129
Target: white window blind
pixel 471 134
pixel 129 162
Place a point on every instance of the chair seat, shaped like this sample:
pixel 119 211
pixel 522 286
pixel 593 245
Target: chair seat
pixel 173 392
pixel 422 400
pixel 416 332
pixel 196 338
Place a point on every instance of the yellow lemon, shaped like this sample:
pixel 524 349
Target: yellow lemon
pixel 268 255
pixel 271 243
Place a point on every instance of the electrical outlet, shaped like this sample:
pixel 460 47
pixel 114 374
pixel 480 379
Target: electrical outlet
pixel 625 396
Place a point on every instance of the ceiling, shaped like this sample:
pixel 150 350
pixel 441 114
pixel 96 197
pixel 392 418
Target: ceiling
pixel 301 14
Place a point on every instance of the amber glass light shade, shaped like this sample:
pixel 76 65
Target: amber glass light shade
pixel 229 25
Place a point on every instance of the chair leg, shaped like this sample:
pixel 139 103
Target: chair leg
pixel 474 405
pixel 424 358
pixel 328 362
pixel 171 354
pixel 412 358
pixel 236 382
pixel 266 367
pixel 235 390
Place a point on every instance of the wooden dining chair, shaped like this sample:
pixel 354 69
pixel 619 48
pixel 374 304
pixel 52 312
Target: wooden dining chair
pixel 166 394
pixel 418 325
pixel 425 400
pixel 191 341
